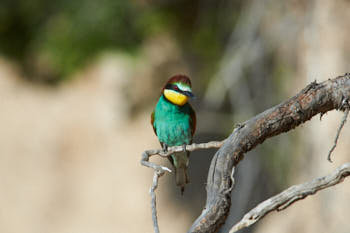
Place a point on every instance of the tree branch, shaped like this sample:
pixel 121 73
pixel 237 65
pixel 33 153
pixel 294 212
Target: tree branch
pixel 160 170
pixel 314 99
pixel 295 193
pixel 194 146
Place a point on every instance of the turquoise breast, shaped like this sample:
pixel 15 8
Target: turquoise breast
pixel 172 123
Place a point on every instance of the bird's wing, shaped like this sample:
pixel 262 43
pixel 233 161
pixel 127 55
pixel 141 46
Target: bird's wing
pixel 193 120
pixel 152 122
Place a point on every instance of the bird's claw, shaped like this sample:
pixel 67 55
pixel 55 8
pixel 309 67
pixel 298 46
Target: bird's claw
pixel 165 148
pixel 184 147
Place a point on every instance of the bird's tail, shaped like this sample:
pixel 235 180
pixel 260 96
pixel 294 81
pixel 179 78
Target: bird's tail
pixel 180 161
pixel 181 177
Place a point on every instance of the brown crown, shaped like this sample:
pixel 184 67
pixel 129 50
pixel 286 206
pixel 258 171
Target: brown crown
pixel 180 78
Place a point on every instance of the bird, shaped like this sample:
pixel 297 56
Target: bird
pixel 174 123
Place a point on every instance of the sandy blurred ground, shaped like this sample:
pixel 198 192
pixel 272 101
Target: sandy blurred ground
pixel 69 156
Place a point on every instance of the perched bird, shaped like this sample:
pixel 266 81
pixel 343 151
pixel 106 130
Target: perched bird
pixel 174 122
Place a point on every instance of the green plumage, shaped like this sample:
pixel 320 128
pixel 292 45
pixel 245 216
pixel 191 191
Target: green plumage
pixel 175 126
pixel 172 123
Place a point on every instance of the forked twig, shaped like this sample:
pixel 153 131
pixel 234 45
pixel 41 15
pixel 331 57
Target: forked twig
pixel 160 170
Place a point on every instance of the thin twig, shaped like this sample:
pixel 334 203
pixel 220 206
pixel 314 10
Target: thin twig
pixel 346 113
pixel 148 153
pixel 295 193
pixel 153 200
pixel 160 170
pixel 192 147
pixel 156 167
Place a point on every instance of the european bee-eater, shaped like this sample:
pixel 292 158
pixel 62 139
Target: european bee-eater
pixel 174 122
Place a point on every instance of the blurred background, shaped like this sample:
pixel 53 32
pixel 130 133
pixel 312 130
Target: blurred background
pixel 79 79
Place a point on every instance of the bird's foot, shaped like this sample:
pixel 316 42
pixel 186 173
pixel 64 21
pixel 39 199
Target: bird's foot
pixel 184 147
pixel 165 148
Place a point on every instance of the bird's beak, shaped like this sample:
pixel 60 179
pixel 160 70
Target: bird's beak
pixel 189 94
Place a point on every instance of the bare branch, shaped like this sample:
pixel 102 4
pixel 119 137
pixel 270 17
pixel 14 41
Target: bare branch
pixel 345 105
pixel 192 147
pixel 160 170
pixel 145 162
pixel 295 193
pixel 153 200
pixel 314 99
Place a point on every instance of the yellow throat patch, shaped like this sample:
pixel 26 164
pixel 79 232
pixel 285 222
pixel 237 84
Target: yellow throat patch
pixel 175 97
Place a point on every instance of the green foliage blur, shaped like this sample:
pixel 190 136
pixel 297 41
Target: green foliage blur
pixel 52 39
pixel 63 35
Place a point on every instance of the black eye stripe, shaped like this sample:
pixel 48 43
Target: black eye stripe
pixel 174 87
pixel 171 86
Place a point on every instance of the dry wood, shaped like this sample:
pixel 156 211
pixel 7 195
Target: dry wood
pixel 314 99
pixel 291 195
pixel 160 170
